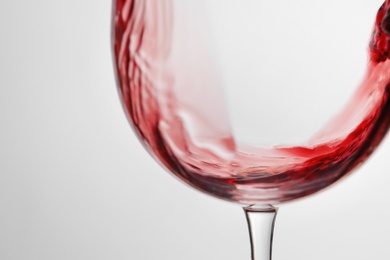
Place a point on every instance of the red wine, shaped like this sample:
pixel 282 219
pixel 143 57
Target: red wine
pixel 188 131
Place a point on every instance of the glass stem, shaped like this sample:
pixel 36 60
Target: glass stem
pixel 261 220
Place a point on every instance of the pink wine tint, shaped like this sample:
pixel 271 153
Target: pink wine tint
pixel 172 96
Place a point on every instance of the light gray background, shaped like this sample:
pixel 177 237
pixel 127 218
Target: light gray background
pixel 76 184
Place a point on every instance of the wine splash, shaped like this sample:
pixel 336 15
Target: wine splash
pixel 174 101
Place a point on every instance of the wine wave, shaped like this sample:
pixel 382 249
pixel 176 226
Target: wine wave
pixel 172 98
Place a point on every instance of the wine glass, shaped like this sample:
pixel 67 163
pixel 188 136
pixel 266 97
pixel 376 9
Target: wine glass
pixel 192 77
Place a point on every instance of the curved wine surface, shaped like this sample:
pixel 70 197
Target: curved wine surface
pixel 172 99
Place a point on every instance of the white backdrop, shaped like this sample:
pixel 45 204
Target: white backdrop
pixel 76 184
